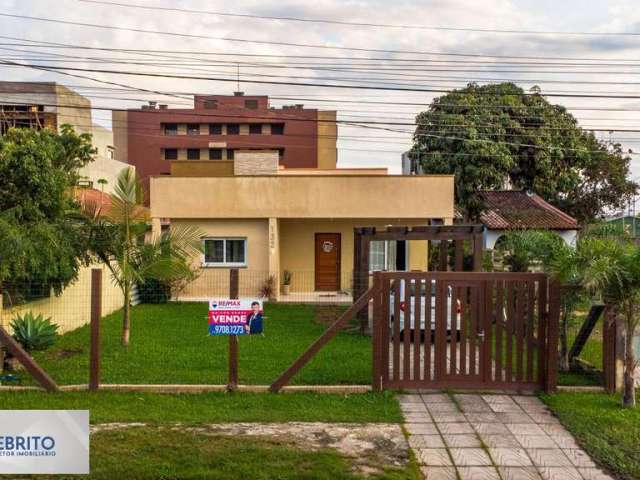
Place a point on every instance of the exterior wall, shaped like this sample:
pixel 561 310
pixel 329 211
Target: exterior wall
pixel 103 167
pixel 284 196
pixel 72 308
pixel 215 280
pixel 251 162
pixel 76 110
pixel 297 247
pixel 120 122
pixel 327 138
pixel 202 168
pixel 336 171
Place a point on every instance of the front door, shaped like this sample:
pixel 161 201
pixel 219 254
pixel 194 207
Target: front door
pixel 328 261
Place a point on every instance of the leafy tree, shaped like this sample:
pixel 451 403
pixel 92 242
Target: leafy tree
pixel 40 242
pixel 117 238
pixel 524 249
pixel 612 268
pixel 489 134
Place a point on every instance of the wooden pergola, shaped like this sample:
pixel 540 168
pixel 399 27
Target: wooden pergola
pixel 444 234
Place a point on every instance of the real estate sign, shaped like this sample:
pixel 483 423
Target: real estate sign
pixel 235 317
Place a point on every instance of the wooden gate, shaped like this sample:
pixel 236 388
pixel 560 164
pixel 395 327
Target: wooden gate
pixel 464 330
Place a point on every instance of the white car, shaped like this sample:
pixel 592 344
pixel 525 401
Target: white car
pixel 432 305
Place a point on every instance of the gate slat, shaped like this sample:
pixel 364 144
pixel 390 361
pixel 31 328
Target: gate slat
pixel 386 295
pixel 396 330
pixel 531 294
pixel 509 334
pixel 542 330
pixel 487 364
pixel 427 330
pixel 520 321
pixel 441 331
pixel 473 333
pixel 406 351
pixel 499 326
pixel 464 331
pixel 417 307
pixel 451 319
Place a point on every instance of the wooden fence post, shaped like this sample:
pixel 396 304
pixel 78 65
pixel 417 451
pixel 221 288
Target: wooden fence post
pixel 96 314
pixel 234 287
pixel 553 320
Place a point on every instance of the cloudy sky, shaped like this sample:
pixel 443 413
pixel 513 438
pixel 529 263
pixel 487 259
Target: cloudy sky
pixel 595 63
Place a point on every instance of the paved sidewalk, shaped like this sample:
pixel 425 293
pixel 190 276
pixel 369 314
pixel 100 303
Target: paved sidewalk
pixel 492 437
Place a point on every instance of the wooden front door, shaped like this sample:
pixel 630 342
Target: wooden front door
pixel 327 261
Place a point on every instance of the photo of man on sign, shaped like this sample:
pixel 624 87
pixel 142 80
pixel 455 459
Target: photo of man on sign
pixel 254 319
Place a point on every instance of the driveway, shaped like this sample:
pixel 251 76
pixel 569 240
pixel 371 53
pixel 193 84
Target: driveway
pixel 492 437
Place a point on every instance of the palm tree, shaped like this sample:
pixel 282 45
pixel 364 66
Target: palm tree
pixel 117 238
pixel 612 269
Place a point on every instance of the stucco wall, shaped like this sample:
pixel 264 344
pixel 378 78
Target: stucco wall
pixel 284 196
pixel 72 308
pixel 215 280
pixel 297 247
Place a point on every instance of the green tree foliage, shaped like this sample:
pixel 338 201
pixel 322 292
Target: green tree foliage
pixel 39 238
pixel 117 239
pixel 488 134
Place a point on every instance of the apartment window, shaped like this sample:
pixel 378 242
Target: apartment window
pixel 215 154
pixel 110 153
pixel 171 129
pixel 215 129
pixel 233 129
pixel 229 154
pixel 210 104
pixel 193 129
pixel 277 129
pixel 225 252
pixel 251 104
pixel 170 153
pixel 255 129
pixel 193 154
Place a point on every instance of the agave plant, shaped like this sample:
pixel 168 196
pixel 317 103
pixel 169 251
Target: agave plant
pixel 34 333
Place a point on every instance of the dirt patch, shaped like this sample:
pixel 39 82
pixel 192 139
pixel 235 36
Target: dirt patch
pixel 370 447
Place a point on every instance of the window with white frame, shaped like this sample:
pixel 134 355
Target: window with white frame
pixel 387 255
pixel 225 252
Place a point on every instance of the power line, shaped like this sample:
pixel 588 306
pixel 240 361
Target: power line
pixel 361 24
pixel 264 42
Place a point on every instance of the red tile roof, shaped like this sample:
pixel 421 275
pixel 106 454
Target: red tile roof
pixel 93 200
pixel 517 209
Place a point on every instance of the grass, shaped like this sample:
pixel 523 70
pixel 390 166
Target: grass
pixel 162 453
pixel 609 433
pixel 169 344
pixel 213 407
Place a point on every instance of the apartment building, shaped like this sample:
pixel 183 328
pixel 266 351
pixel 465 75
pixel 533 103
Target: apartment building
pixel 159 140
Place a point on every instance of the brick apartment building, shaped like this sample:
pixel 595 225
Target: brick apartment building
pixel 163 141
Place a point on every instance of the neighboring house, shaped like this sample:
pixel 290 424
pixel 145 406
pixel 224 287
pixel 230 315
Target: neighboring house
pixel 629 224
pixel 159 140
pixel 521 210
pixel 265 219
pixel 41 105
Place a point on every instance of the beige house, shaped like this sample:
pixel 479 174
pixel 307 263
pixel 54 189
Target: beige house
pixel 298 220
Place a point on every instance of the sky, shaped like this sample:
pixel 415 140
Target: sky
pixel 617 57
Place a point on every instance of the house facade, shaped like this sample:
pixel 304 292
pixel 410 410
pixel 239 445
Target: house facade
pixel 301 221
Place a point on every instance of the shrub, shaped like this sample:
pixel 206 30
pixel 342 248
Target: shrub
pixel 154 291
pixel 34 333
pixel 267 289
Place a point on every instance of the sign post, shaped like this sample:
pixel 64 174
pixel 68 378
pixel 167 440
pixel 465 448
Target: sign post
pixel 232 317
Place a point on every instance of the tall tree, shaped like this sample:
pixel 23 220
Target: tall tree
pixel 489 134
pixel 40 242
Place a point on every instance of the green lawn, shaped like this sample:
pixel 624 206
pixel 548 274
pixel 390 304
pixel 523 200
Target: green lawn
pixel 609 433
pixel 164 453
pixel 169 344
pixel 213 407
